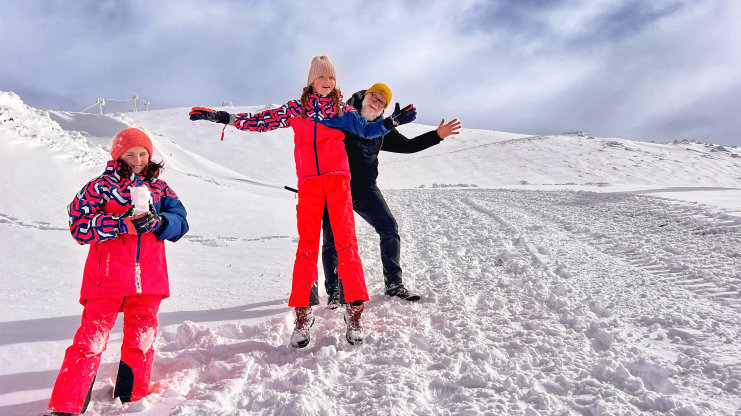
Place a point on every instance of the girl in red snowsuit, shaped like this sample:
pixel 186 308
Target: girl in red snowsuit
pixel 323 177
pixel 125 271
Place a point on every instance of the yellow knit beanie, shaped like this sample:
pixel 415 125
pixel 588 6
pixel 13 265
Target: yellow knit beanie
pixel 381 89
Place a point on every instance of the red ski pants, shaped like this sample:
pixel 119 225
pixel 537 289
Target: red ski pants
pixel 334 190
pixel 82 358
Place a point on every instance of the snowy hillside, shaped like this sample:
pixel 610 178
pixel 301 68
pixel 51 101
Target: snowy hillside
pixel 478 157
pixel 560 275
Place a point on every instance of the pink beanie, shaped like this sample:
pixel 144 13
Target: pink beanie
pixel 128 138
pixel 320 65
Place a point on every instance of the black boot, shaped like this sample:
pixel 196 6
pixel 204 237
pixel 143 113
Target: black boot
pixel 402 292
pixel 333 302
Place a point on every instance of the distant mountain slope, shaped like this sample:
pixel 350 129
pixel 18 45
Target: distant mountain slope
pixel 51 154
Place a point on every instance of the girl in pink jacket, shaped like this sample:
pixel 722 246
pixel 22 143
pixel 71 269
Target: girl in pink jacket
pixel 323 177
pixel 124 215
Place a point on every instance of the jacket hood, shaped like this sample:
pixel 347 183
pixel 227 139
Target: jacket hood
pixel 111 168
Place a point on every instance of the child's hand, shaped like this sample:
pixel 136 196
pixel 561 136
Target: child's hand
pixel 160 221
pixel 400 116
pixel 153 211
pixel 139 224
pixel 203 113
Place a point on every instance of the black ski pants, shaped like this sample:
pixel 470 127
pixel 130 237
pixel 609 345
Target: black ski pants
pixel 371 206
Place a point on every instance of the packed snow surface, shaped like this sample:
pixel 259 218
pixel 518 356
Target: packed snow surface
pixel 559 275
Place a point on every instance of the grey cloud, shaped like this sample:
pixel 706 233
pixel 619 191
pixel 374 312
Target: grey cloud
pixel 630 18
pixel 627 68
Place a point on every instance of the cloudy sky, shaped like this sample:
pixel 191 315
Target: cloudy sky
pixel 646 70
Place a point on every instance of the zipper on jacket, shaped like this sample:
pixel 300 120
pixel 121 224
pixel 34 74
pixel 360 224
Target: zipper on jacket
pixel 137 267
pixel 316 152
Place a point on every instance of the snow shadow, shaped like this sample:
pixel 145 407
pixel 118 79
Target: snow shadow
pixel 64 327
pixel 11 383
pixel 29 408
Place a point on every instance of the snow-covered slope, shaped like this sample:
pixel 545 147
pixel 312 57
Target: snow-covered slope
pixel 540 296
pixel 496 159
pixel 476 157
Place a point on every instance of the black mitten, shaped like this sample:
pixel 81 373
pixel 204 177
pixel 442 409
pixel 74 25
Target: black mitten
pixel 400 116
pixel 203 113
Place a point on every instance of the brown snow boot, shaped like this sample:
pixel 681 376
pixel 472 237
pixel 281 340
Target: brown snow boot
pixel 304 320
pixel 353 311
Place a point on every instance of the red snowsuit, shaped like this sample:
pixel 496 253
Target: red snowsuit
pixel 323 177
pixel 123 273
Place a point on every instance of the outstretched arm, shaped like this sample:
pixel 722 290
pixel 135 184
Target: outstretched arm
pixel 263 121
pixel 354 123
pixel 269 119
pixel 445 130
pixel 398 143
pixel 357 124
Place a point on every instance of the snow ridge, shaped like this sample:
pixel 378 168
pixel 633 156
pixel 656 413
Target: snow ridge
pixel 30 124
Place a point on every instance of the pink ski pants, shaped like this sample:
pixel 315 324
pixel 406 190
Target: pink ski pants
pixel 82 358
pixel 312 195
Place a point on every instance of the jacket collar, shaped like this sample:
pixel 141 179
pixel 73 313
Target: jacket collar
pixel 321 107
pixel 357 100
pixel 112 167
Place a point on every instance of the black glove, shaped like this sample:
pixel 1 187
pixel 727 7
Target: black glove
pixel 400 116
pixel 161 221
pixel 153 211
pixel 139 224
pixel 160 226
pixel 203 113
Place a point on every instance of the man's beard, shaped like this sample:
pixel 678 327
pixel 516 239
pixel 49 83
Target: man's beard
pixel 367 112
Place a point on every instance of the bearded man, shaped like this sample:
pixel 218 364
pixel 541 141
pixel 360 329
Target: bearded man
pixel 367 199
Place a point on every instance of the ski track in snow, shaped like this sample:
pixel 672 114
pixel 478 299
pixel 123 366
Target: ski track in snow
pixel 40 225
pixel 219 241
pixel 550 303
